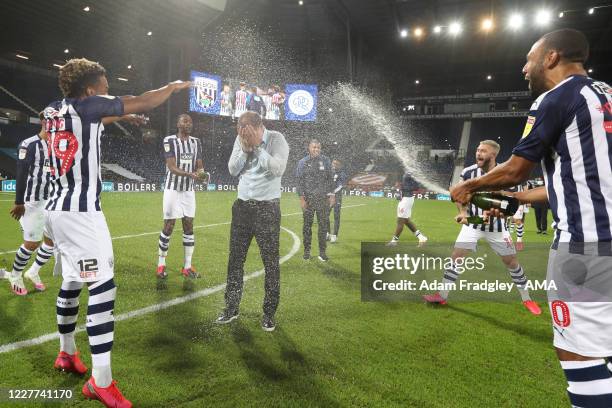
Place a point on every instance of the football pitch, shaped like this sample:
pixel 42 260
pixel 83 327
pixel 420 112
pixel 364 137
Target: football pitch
pixel 329 349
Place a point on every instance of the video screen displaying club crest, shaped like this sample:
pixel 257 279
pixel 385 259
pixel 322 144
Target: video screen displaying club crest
pixel 205 93
pixel 301 102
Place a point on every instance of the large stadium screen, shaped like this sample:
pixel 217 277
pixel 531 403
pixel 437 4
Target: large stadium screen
pixel 232 97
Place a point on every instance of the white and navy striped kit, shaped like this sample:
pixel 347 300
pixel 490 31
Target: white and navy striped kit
pixel 75 127
pixel 496 224
pixel 34 153
pixel 516 189
pixel 186 152
pixel 570 130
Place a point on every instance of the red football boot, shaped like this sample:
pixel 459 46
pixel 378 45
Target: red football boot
pixel 435 298
pixel 532 307
pixel 110 396
pixel 70 363
pixel 190 273
pixel 161 272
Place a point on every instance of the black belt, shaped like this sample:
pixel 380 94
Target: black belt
pixel 260 202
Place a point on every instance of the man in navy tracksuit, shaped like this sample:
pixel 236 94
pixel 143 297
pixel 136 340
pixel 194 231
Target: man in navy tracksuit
pixel 316 191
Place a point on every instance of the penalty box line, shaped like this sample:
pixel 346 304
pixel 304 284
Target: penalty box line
pixel 144 234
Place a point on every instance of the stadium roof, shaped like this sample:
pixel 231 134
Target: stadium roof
pixel 116 33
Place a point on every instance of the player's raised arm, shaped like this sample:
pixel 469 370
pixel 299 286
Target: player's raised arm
pixel 132 119
pixel 152 99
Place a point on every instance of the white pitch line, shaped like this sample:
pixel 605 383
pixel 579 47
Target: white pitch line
pixel 155 307
pixel 163 305
pixel 144 234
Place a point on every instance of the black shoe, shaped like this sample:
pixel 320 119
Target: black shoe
pixel 306 255
pixel 323 257
pixel 267 324
pixel 539 232
pixel 544 233
pixel 226 318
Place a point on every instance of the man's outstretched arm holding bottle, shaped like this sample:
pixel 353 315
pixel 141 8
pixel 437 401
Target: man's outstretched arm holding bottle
pixel 514 171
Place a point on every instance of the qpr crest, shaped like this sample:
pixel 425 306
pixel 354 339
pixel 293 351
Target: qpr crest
pixel 207 90
pixel 301 102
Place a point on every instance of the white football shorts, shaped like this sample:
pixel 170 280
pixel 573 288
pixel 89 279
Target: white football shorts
pixel 179 204
pixel 33 221
pixel 404 207
pixel 83 245
pixel 500 242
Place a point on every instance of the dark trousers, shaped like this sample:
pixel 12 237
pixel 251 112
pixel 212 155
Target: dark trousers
pixel 337 207
pixel 541 215
pixel 320 207
pixel 262 221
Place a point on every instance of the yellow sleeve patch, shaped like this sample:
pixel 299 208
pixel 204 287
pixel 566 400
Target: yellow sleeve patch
pixel 529 125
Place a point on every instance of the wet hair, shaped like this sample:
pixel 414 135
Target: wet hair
pixel 182 115
pixel 77 75
pixel 491 143
pixel 572 45
pixel 250 118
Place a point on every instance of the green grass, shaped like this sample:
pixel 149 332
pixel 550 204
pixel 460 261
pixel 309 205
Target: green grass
pixel 330 349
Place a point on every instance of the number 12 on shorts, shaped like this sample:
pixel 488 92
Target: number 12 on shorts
pixel 89 268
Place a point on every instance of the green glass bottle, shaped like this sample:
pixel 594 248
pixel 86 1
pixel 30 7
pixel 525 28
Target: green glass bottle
pixel 487 200
pixel 475 219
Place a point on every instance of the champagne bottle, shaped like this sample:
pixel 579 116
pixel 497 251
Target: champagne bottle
pixel 487 200
pixel 475 219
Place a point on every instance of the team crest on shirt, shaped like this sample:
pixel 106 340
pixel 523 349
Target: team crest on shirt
pixel 608 127
pixel 529 125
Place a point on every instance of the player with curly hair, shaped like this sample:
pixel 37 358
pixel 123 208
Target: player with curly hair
pixel 74 218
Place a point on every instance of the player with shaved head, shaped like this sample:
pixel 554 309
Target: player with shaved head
pixel 569 131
